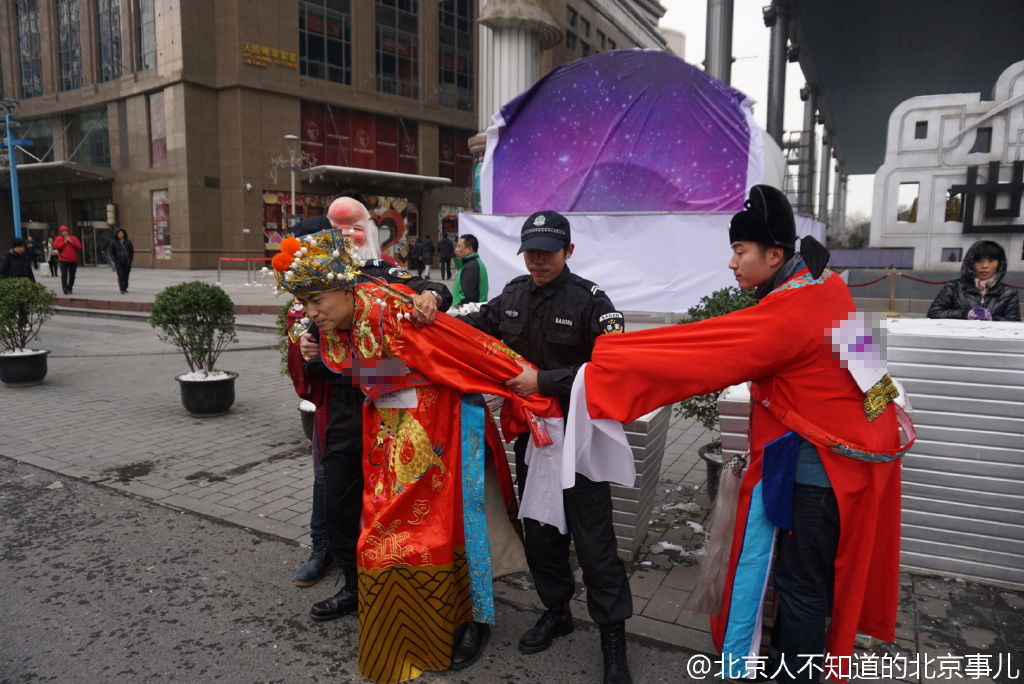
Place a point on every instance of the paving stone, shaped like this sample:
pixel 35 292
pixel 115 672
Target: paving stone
pixel 666 604
pixel 682 577
pixel 645 583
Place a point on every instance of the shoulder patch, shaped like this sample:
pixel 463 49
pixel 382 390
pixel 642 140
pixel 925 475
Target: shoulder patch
pixel 612 322
pixel 594 290
pixel 399 273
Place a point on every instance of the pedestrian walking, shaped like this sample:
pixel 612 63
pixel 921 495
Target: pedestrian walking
pixel 68 246
pixel 32 252
pixel 445 252
pixel 428 256
pixel 552 317
pixel 979 293
pixel 416 257
pixel 122 254
pixel 51 256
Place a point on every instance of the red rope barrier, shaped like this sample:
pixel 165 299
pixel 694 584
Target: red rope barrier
pixel 232 258
pixel 919 280
pixel 877 280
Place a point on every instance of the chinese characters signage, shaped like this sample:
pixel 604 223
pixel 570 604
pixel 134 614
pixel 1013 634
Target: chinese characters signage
pixel 264 56
pixel 991 189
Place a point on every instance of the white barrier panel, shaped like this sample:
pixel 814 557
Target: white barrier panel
pixel 648 262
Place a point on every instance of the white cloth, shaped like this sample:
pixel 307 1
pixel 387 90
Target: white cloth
pixel 596 449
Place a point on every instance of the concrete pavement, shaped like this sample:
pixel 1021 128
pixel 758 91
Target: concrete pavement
pixel 109 414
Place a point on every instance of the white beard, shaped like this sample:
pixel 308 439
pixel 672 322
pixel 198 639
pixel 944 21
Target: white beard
pixel 371 249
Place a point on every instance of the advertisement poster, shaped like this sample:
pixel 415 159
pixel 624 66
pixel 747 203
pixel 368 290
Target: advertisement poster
pixel 397 220
pixel 277 219
pixel 161 225
pixel 448 219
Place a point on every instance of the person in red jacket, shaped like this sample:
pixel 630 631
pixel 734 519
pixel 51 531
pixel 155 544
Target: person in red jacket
pixel 68 247
pixel 819 499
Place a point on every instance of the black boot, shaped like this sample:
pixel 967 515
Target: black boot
pixel 555 622
pixel 341 604
pixel 613 648
pixel 470 640
pixel 319 562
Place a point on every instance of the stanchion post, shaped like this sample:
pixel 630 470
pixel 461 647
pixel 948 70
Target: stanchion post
pixel 892 292
pixel 219 280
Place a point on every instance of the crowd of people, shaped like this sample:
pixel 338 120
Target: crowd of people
pixel 416 497
pixel 63 253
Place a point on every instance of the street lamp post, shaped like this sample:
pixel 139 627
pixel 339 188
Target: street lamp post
pixel 292 159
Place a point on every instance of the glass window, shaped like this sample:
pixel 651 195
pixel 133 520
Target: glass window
pixel 570 16
pixel 611 44
pixel 145 34
pixel 40 132
pixel 602 40
pixel 69 48
pixel 398 47
pixel 584 48
pixel 90 139
pixel 325 40
pixel 570 41
pixel 157 131
pixel 29 56
pixel 982 139
pixel 108 39
pixel 455 69
pixel 584 28
pixel 453 158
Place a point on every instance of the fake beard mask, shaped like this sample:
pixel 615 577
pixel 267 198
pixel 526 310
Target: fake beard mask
pixel 364 236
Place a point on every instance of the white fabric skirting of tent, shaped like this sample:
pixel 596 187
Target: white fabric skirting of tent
pixel 647 262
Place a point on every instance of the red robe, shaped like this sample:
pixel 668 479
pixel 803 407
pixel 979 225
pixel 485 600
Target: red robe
pixel 783 346
pixel 414 578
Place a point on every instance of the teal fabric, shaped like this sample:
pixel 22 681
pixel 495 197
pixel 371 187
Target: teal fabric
pixel 809 470
pixel 478 549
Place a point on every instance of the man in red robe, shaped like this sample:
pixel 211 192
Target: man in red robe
pixel 427 549
pixel 819 501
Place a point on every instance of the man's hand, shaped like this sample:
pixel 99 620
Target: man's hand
pixel 525 383
pixel 308 348
pixel 426 308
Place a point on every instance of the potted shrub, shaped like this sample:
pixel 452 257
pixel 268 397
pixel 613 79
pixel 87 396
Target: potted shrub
pixel 24 307
pixel 705 407
pixel 199 319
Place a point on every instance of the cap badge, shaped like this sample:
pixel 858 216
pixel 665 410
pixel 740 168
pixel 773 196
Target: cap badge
pixel 539 221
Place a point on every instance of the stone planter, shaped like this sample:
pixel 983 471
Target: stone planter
pixel 207 398
pixel 23 370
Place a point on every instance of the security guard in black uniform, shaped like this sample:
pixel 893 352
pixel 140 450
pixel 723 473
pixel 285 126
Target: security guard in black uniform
pixel 552 318
pixel 343 443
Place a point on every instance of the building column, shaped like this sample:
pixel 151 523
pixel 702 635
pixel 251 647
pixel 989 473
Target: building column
pixel 511 35
pixel 838 196
pixel 826 162
pixel 776 18
pixel 808 145
pixel 718 40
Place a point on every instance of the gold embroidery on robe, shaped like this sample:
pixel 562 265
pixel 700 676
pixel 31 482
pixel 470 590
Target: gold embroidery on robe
pixel 880 395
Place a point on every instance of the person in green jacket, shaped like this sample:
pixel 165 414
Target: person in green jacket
pixel 470 284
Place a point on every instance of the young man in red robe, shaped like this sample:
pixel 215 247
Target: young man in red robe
pixel 819 502
pixel 428 545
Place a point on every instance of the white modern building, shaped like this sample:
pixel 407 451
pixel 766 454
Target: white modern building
pixel 954 174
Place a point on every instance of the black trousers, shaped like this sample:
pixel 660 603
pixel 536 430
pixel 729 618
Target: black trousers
pixel 446 267
pixel 53 266
pixel 343 474
pixel 803 576
pixel 123 268
pixel 588 512
pixel 67 275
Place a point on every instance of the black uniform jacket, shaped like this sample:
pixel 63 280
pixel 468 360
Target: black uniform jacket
pixel 553 326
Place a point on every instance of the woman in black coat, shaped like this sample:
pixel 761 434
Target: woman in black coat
pixel 122 253
pixel 979 293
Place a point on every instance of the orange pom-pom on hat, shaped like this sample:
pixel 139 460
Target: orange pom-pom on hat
pixel 282 261
pixel 290 245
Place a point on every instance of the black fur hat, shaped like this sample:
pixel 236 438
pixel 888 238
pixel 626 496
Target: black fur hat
pixel 767 219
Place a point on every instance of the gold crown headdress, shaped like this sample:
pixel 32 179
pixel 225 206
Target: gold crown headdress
pixel 315 263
